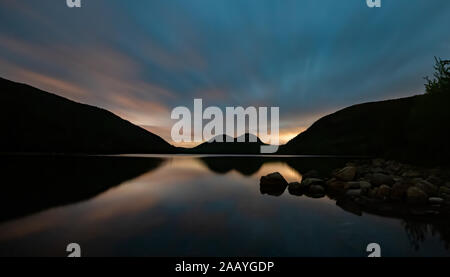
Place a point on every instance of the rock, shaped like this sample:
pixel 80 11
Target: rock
pixel 373 193
pixel 346 174
pixel 377 170
pixel 316 190
pixel 394 166
pixel 336 184
pixel 353 192
pixel 384 192
pixel 379 179
pixel 353 185
pixel 296 188
pixel 378 162
pixel 273 184
pixel 411 174
pixel 444 190
pixel 311 174
pixel 416 196
pixel 399 191
pixel 427 187
pixel 365 185
pixel 435 180
pixel 312 181
pixel 435 200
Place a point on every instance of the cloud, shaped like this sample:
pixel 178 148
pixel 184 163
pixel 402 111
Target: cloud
pixel 141 59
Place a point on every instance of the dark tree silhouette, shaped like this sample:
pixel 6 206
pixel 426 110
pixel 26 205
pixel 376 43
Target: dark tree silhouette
pixel 441 80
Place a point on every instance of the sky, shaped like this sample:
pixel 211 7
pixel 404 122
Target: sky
pixel 141 59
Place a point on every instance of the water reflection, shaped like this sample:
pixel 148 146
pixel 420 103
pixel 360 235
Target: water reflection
pixel 35 183
pixel 185 206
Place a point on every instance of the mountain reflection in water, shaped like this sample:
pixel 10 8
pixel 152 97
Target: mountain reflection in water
pixel 188 206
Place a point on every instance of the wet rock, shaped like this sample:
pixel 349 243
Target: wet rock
pixel 384 192
pixel 296 188
pixel 435 180
pixel 435 200
pixel 336 184
pixel 353 185
pixel 377 170
pixel 273 184
pixel 378 162
pixel 313 181
pixel 379 179
pixel 416 196
pixel 444 190
pixel 346 174
pixel 427 187
pixel 394 167
pixel 411 174
pixel 373 193
pixel 316 190
pixel 365 185
pixel 353 192
pixel 399 191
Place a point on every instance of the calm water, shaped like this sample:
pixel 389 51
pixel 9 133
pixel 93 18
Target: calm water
pixel 187 206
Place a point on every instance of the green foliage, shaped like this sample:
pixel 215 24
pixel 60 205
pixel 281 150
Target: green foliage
pixel 441 80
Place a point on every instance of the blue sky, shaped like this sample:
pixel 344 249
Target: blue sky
pixel 140 59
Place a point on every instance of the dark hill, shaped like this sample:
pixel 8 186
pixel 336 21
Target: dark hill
pixel 415 128
pixel 33 120
pixel 224 147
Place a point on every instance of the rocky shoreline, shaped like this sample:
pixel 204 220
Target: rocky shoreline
pixel 376 186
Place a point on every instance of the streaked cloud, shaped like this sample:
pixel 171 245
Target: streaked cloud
pixel 141 59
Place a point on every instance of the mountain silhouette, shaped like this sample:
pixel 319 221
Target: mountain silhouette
pixel 33 120
pixel 220 145
pixel 413 128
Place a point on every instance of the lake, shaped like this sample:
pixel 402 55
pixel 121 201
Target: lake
pixel 162 205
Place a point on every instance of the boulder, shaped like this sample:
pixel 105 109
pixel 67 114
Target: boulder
pixel 384 192
pixel 353 185
pixel 378 162
pixel 312 181
pixel 379 179
pixel 336 184
pixel 353 192
pixel 427 187
pixel 273 184
pixel 444 190
pixel 377 170
pixel 435 200
pixel 365 185
pixel 373 193
pixel 296 188
pixel 435 180
pixel 316 190
pixel 346 174
pixel 399 190
pixel 416 196
pixel 411 173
